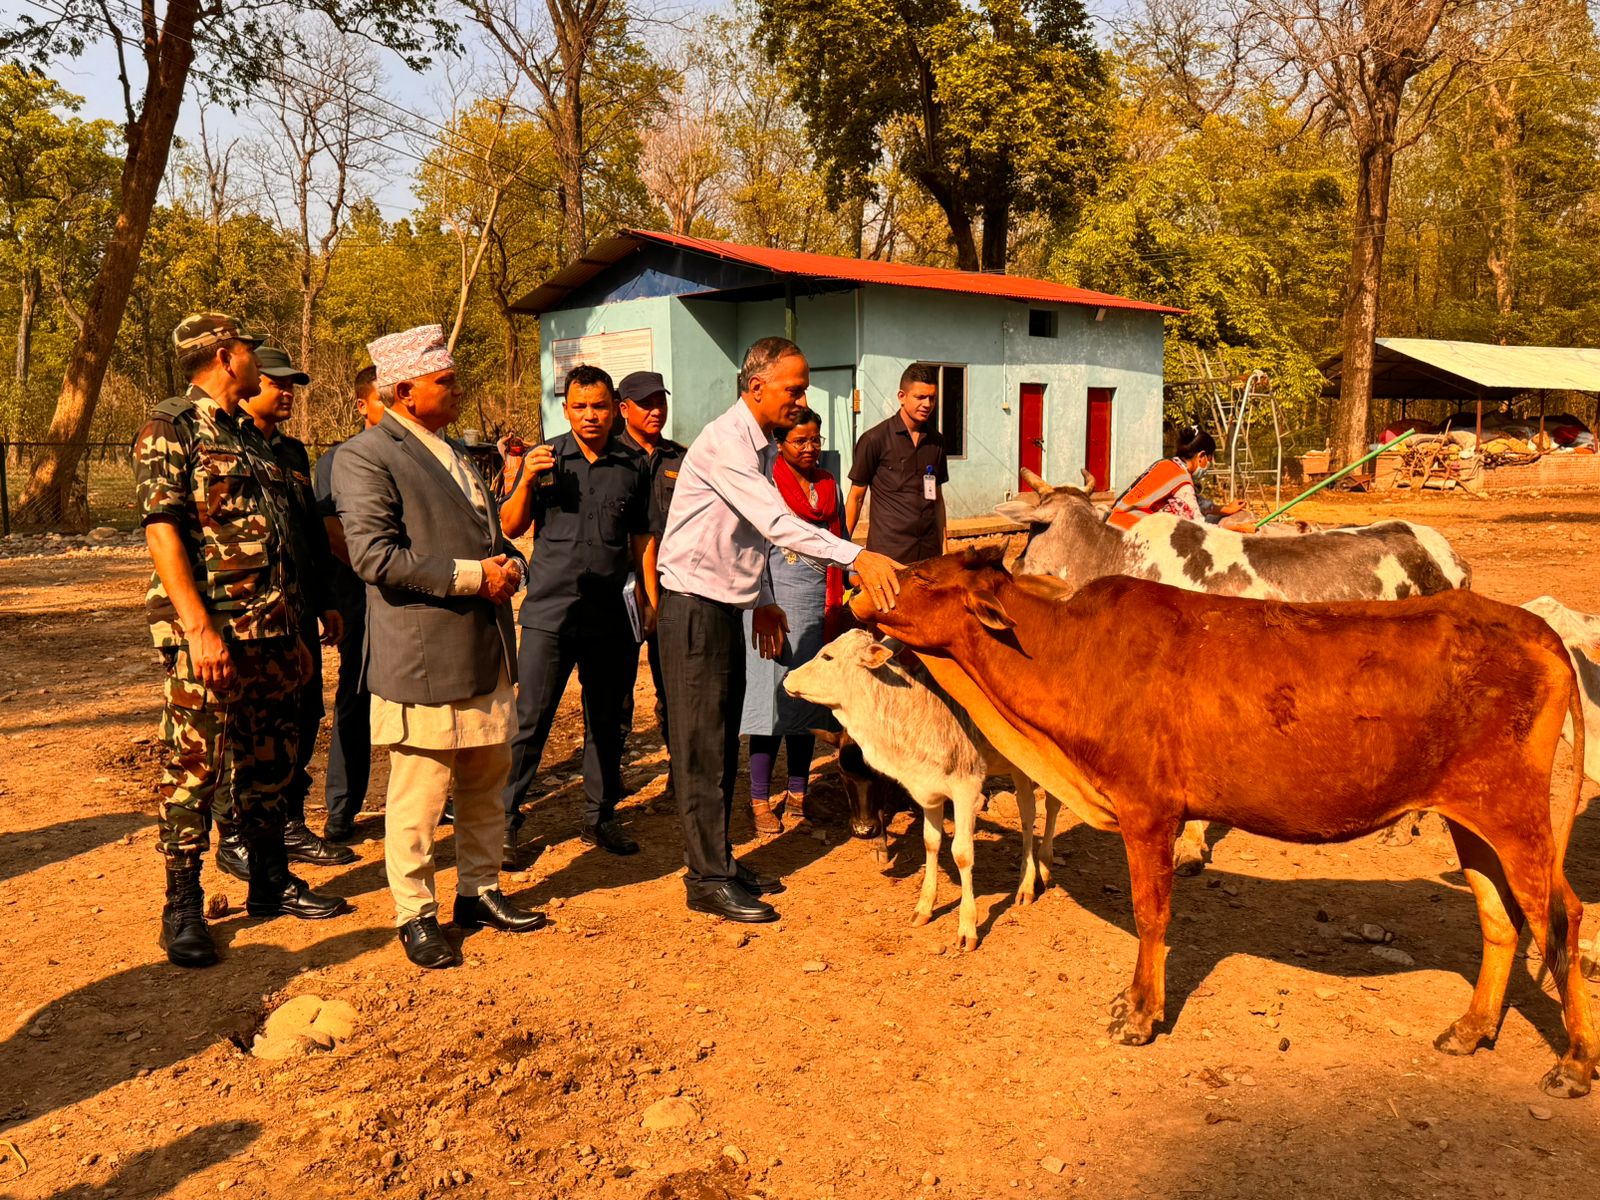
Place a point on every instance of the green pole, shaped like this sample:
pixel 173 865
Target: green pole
pixel 1335 477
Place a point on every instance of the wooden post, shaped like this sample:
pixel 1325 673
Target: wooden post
pixel 5 492
pixel 1541 414
pixel 1478 444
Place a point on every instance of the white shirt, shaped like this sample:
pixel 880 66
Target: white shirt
pixel 468 577
pixel 725 512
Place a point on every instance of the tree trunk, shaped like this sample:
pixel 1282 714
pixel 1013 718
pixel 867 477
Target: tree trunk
pixel 1504 136
pixel 1374 173
pixel 996 235
pixel 47 495
pixel 28 303
pixel 569 162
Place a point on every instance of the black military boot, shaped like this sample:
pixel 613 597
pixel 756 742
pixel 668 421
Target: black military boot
pixel 184 935
pixel 306 847
pixel 274 892
pixel 233 857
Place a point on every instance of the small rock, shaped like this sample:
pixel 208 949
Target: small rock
pixel 929 1179
pixel 1393 954
pixel 1052 1164
pixel 1283 1044
pixel 217 906
pixel 102 533
pixel 276 1049
pixel 737 938
pixel 812 966
pixel 735 1155
pixel 292 1016
pixel 1230 889
pixel 1325 993
pixel 673 1112
pixel 1539 1112
pixel 1375 933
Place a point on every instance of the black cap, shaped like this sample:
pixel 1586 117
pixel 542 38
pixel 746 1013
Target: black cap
pixel 641 385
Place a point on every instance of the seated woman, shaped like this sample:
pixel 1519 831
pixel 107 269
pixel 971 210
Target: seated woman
pixel 1169 486
pixel 811 595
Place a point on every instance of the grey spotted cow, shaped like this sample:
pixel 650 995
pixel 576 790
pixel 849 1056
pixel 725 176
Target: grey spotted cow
pixel 1391 560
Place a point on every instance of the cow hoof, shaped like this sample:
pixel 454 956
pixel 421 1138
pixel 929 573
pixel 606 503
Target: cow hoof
pixel 1591 968
pixel 1563 1085
pixel 1454 1041
pixel 968 943
pixel 1024 895
pixel 920 918
pixel 1126 1033
pixel 1188 864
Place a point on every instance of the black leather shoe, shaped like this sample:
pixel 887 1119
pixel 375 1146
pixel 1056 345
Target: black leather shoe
pixel 233 857
pixel 756 885
pixel 448 816
pixel 276 893
pixel 338 831
pixel 184 935
pixel 493 911
pixel 610 837
pixel 306 847
pixel 733 903
pixel 510 852
pixel 425 943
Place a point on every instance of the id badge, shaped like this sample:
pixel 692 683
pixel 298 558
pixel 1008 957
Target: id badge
pixel 930 488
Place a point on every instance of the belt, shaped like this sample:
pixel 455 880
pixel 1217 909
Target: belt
pixel 725 605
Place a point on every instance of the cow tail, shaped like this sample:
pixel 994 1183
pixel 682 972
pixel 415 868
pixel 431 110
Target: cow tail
pixel 1556 937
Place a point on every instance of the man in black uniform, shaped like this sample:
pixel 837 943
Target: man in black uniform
pixel 644 416
pixel 269 408
pixel 902 461
pixel 350 742
pixel 587 498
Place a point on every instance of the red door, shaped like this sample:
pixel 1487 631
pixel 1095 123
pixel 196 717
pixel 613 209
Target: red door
pixel 1097 454
pixel 1030 450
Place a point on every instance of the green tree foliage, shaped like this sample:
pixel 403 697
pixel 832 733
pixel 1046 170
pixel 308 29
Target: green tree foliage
pixel 58 182
pixel 996 109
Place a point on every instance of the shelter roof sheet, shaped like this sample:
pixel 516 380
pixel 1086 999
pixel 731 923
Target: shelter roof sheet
pixel 611 251
pixel 1422 368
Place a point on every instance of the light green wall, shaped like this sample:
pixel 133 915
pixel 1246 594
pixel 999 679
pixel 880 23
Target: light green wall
pixel 697 345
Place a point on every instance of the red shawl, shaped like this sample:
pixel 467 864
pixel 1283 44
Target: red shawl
pixel 826 513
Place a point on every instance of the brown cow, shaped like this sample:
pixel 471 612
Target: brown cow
pixel 1329 722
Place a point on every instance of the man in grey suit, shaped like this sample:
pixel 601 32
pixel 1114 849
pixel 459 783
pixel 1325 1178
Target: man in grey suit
pixel 423 532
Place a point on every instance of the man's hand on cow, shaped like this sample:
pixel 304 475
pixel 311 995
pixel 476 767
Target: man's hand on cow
pixel 500 579
pixel 769 625
pixel 880 577
pixel 213 665
pixel 332 627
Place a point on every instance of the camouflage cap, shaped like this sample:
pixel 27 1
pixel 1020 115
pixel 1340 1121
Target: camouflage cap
pixel 198 331
pixel 275 362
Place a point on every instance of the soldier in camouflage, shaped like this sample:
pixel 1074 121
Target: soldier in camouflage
pixel 314 566
pixel 224 610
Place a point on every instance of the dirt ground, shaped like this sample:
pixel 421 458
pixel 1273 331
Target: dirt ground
pixel 838 1053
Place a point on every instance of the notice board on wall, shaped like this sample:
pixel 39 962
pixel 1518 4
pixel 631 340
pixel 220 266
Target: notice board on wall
pixel 617 354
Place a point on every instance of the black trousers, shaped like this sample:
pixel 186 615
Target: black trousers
pixel 607 659
pixel 350 745
pixel 652 650
pixel 309 711
pixel 702 664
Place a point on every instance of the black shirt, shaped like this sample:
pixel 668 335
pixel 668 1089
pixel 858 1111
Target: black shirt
pixel 582 522
pixel 903 523
pixel 663 467
pixel 348 590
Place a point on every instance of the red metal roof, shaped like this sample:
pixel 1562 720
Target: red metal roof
pixel 828 266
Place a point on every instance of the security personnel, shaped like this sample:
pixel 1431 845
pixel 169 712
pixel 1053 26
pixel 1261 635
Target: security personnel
pixel 643 397
pixel 350 742
pixel 224 611
pixel 587 497
pixel 314 565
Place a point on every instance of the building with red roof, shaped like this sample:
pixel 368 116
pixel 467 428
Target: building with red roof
pixel 1033 373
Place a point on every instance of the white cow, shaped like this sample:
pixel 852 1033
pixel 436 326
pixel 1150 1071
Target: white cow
pixel 910 731
pixel 1580 632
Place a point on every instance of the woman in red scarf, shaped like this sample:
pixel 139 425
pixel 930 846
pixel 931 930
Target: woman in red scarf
pixel 811 595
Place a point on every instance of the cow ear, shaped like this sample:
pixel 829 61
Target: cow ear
pixel 1020 512
pixel 987 608
pixel 876 655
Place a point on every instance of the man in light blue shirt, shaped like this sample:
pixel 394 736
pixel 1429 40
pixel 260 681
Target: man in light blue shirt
pixel 725 512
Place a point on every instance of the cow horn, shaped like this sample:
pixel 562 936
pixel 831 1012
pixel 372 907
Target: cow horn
pixel 1037 484
pixel 1090 484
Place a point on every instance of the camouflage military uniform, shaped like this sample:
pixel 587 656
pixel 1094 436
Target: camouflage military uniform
pixel 213 476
